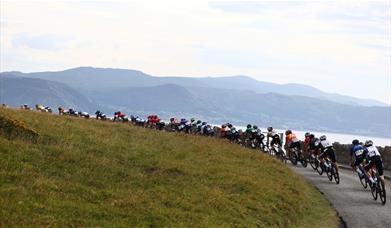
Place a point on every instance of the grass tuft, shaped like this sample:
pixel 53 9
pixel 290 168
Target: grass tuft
pixel 12 129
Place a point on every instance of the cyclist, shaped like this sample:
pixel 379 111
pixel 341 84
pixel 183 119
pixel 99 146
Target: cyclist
pixel 373 159
pixel 291 142
pixel 271 133
pixel 198 126
pixel 223 130
pixel 259 136
pixel 313 146
pixel 249 134
pixel 249 131
pixel 327 151
pixel 357 156
pixel 232 134
pixel 307 141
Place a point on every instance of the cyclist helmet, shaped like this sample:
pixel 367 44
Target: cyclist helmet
pixel 312 136
pixel 355 142
pixel 192 120
pixel 199 121
pixel 270 129
pixel 203 123
pixel 255 127
pixel 223 126
pixel 248 125
pixel 229 125
pixel 322 138
pixel 368 143
pixel 172 119
pixel 288 132
pixel 307 134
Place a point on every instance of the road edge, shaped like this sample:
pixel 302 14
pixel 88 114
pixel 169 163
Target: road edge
pixel 342 223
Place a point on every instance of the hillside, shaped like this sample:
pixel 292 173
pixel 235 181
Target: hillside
pixel 89 173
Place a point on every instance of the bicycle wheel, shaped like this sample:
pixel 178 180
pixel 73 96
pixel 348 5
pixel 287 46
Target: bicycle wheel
pixel 319 169
pixel 293 158
pixel 374 191
pixel 272 152
pixel 363 181
pixel 329 174
pixel 336 175
pixel 313 163
pixel 303 160
pixel 382 192
pixel 281 156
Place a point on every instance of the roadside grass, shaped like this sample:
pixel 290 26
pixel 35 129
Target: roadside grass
pixel 94 173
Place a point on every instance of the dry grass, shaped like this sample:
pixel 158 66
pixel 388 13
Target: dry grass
pixel 12 128
pixel 93 173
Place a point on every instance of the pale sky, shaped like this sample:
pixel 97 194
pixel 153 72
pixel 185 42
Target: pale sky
pixel 336 46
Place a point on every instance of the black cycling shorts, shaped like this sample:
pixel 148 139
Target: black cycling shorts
pixel 275 140
pixel 329 153
pixel 375 160
pixel 295 145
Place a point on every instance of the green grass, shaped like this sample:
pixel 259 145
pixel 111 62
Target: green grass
pixel 92 173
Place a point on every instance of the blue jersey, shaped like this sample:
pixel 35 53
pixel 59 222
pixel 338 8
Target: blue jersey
pixel 357 151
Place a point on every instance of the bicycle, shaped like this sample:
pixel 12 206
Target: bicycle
pixel 378 187
pixel 277 151
pixel 297 155
pixel 312 159
pixel 362 177
pixel 331 171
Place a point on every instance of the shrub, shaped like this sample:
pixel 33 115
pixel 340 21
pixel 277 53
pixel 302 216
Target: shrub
pixel 12 128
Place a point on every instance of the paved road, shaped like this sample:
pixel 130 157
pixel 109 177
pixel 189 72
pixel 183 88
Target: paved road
pixel 354 203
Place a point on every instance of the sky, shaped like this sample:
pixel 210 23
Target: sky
pixel 337 46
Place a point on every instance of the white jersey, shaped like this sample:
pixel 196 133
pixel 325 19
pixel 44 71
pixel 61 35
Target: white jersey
pixel 325 144
pixel 272 133
pixel 372 151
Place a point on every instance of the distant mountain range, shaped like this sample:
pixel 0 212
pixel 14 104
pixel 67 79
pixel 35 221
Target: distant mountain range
pixel 237 99
pixel 89 78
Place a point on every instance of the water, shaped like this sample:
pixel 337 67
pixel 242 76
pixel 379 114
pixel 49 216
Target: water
pixel 341 138
pixel 347 138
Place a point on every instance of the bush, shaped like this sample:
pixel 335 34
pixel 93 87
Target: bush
pixel 12 128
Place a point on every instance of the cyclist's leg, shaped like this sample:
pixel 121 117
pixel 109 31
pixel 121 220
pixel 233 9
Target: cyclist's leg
pixel 288 152
pixel 322 156
pixel 333 158
pixel 367 169
pixel 357 165
pixel 289 149
pixel 297 145
pixel 379 167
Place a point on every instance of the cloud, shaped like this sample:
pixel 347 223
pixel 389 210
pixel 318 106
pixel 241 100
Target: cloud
pixel 255 6
pixel 233 58
pixel 49 42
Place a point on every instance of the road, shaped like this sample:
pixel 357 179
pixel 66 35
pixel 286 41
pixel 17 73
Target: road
pixel 353 203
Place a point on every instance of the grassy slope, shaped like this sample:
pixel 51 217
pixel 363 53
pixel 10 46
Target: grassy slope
pixel 85 172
